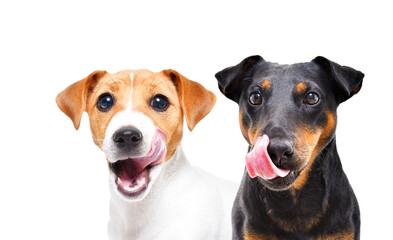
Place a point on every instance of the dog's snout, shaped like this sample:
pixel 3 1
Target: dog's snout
pixel 127 137
pixel 280 151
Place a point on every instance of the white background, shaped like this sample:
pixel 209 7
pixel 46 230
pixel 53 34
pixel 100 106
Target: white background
pixel 53 179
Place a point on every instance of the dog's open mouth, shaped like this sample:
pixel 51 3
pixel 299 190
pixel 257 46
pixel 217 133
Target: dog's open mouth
pixel 133 174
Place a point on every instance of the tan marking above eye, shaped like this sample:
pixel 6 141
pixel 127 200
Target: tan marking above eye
pixel 265 84
pixel 301 87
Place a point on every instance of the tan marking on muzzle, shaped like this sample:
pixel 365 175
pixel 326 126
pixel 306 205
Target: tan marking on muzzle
pixel 308 145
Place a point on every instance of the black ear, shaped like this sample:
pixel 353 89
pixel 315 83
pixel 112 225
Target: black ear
pixel 349 81
pixel 230 79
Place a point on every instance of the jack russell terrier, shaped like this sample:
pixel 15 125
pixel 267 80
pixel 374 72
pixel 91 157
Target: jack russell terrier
pixel 136 119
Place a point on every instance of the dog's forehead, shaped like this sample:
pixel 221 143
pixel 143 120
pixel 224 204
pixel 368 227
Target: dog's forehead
pixel 129 80
pixel 287 73
pixel 151 80
pixel 131 76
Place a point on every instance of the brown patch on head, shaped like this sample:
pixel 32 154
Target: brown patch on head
pixel 265 84
pixel 195 100
pixel 308 144
pixel 73 100
pixel 118 85
pixel 84 94
pixel 146 85
pixel 301 87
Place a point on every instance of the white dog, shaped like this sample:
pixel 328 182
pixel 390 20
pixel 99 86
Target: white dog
pixel 136 118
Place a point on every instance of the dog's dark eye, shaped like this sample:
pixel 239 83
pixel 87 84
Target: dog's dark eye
pixel 311 99
pixel 255 98
pixel 105 102
pixel 159 103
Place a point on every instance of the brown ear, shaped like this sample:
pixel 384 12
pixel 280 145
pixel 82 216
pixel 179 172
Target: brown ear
pixel 72 100
pixel 196 101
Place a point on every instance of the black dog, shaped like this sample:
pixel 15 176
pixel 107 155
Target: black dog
pixel 295 187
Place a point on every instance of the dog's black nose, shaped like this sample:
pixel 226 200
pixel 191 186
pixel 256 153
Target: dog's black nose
pixel 280 151
pixel 127 137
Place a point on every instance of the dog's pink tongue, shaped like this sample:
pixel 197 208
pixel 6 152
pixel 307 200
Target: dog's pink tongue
pixel 259 164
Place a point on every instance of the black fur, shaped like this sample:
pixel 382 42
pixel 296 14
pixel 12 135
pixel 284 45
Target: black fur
pixel 325 205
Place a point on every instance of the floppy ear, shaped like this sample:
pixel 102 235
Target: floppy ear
pixel 72 100
pixel 196 101
pixel 349 80
pixel 230 79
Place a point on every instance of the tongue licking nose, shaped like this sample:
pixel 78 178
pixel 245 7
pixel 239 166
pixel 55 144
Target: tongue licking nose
pixel 259 164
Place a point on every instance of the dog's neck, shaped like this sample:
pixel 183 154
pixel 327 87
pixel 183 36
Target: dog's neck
pixel 132 217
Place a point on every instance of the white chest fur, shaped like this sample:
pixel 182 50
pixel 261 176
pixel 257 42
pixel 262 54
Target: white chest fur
pixel 184 203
